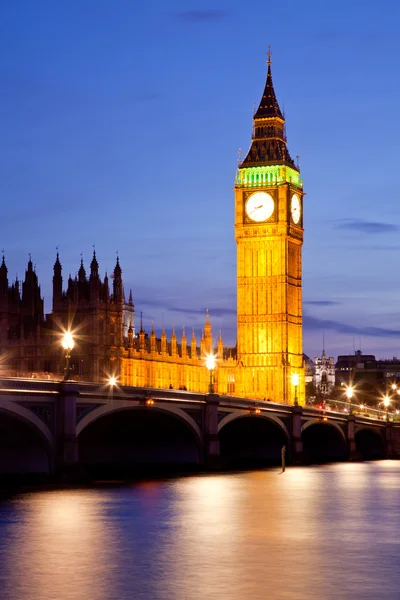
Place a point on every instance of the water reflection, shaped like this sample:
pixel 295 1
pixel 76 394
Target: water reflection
pixel 317 532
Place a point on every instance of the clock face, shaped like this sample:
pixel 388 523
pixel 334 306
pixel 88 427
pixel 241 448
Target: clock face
pixel 295 209
pixel 259 206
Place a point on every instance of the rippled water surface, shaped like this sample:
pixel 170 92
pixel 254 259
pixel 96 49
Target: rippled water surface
pixel 315 532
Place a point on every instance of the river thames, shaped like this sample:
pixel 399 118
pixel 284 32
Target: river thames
pixel 319 532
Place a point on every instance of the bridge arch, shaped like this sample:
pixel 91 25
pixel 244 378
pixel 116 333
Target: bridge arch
pixel 124 436
pixel 251 440
pixel 26 443
pixel 370 442
pixel 323 441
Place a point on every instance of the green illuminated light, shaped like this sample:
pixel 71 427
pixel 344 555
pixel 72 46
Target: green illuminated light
pixel 271 175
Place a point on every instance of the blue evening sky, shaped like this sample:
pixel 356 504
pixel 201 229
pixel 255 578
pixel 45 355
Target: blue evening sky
pixel 120 126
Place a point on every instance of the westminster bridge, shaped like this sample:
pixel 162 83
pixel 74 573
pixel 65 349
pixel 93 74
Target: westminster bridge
pixel 50 428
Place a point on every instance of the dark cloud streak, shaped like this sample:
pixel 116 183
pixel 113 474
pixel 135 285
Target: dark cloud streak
pixel 315 324
pixel 372 227
pixel 321 303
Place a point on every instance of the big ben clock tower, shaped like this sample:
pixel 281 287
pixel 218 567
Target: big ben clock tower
pixel 269 236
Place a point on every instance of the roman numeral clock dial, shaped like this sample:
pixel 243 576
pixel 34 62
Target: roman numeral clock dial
pixel 295 209
pixel 259 206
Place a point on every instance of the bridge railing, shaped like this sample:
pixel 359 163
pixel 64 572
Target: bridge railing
pixel 362 410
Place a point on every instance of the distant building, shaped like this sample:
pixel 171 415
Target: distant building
pixel 370 378
pixel 268 356
pixel 324 375
pixel 103 327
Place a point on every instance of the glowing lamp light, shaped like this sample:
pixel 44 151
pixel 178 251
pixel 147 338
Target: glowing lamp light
pixel 210 362
pixel 112 380
pixel 68 341
pixel 295 379
pixel 349 393
pixel 386 401
pixel 394 386
pixel 257 411
pixel 149 402
pixel 362 406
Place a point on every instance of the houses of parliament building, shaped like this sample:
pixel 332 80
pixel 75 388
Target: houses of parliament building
pixel 108 342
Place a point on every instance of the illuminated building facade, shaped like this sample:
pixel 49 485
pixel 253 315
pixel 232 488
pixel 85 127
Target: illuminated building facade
pixel 324 375
pixel 103 327
pixel 269 236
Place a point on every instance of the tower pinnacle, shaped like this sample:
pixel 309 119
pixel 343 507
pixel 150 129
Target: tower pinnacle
pixel 269 54
pixel 268 145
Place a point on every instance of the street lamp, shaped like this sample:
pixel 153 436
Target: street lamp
pixel 210 364
pixel 349 394
pixel 386 402
pixel 68 345
pixel 295 382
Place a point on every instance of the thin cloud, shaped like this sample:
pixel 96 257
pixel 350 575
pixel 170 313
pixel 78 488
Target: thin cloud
pixel 367 226
pixel 315 324
pixel 202 16
pixel 321 302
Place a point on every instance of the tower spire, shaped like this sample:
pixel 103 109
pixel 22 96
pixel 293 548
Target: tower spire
pixel 268 146
pixel 269 54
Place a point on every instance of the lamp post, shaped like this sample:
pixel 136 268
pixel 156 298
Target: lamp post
pixel 349 394
pixel 210 364
pixel 295 382
pixel 386 402
pixel 68 345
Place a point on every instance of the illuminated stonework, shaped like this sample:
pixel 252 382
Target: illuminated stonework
pixel 266 176
pixel 269 264
pixel 269 236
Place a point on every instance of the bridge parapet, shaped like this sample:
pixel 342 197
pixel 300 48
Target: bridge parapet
pixel 61 410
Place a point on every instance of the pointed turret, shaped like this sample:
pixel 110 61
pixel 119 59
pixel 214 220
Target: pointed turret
pixel 193 346
pixel 81 273
pixel 173 342
pixel 94 279
pixel 183 344
pixel 152 339
pixel 94 266
pixel 163 341
pixel 206 342
pixel 106 290
pixel 220 349
pixel 142 335
pixel 3 280
pixel 130 336
pixel 268 146
pixel 32 310
pixel 57 282
pixel 117 283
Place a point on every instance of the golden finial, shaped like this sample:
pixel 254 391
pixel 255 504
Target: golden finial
pixel 269 54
